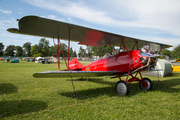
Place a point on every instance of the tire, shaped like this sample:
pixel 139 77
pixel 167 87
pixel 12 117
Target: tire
pixel 122 88
pixel 148 84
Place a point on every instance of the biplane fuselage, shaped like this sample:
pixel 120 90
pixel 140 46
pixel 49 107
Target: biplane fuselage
pixel 122 62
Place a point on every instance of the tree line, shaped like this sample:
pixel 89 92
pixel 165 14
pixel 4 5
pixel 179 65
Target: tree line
pixel 174 54
pixel 44 49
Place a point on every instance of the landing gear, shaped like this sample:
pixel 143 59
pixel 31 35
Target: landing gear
pixel 122 88
pixel 146 84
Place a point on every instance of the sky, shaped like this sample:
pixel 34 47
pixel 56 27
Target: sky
pixel 152 20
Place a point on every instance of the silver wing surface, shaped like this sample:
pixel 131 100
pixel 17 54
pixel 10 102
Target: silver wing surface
pixel 43 27
pixel 58 74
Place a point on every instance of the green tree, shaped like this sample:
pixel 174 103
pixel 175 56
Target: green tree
pixel 44 47
pixel 71 52
pixel 101 50
pixel 166 52
pixel 74 54
pixel 19 51
pixel 10 50
pixel 35 49
pixel 89 51
pixel 27 49
pixel 38 55
pixel 82 52
pixel 24 53
pixel 1 49
pixel 52 51
pixel 176 52
pixel 64 48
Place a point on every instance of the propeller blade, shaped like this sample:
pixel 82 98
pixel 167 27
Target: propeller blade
pixel 149 55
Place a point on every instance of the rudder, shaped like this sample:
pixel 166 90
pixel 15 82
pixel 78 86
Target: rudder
pixel 75 64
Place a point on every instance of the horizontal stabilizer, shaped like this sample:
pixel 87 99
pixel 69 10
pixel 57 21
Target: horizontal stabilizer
pixel 58 74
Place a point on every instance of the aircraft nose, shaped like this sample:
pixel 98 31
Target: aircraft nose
pixel 143 59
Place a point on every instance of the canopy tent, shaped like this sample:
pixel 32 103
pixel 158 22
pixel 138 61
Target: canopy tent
pixel 14 61
pixel 39 59
pixel 165 69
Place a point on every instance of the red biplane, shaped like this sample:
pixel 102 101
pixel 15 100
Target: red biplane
pixel 137 54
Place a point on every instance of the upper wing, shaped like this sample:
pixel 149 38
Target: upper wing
pixel 38 26
pixel 57 74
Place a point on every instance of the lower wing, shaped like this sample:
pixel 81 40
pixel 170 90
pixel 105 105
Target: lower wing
pixel 57 74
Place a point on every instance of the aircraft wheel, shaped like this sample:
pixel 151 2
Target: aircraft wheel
pixel 122 88
pixel 146 84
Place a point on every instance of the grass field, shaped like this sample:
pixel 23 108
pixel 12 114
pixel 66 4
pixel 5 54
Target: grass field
pixel 25 97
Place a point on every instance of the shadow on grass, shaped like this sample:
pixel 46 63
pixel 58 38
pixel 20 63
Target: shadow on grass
pixel 163 86
pixel 91 93
pixel 11 108
pixel 7 88
pixel 167 86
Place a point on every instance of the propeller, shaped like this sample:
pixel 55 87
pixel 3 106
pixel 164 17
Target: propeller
pixel 149 55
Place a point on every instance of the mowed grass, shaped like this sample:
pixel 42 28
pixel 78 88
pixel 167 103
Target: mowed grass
pixel 25 97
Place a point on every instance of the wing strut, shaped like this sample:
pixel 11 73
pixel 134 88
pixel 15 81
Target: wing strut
pixel 69 47
pixel 62 50
pixel 118 50
pixel 125 45
pixel 135 45
pixel 58 53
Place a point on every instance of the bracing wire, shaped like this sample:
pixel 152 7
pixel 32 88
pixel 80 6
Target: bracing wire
pixel 73 87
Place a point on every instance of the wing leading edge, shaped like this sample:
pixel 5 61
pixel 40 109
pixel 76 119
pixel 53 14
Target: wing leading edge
pixel 58 74
pixel 43 27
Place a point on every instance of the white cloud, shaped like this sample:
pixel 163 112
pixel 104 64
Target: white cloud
pixel 154 17
pixel 52 17
pixel 10 23
pixel 162 15
pixel 6 11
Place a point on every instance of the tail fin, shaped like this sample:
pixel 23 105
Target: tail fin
pixel 75 64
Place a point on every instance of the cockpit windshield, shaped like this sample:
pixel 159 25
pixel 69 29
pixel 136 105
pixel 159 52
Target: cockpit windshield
pixel 147 49
pixel 106 55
